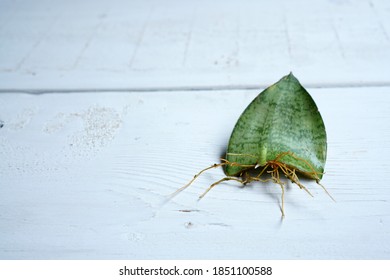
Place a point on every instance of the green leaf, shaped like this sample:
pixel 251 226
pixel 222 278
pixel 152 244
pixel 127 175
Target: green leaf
pixel 281 119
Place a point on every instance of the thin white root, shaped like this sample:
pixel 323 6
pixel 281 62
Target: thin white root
pixel 218 182
pixel 215 165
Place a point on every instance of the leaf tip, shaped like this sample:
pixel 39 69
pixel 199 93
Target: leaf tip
pixel 290 75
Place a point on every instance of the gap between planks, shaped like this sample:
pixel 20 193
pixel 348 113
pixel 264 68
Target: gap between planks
pixel 187 88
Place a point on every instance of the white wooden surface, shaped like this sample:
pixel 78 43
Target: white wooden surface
pixel 140 95
pixel 147 44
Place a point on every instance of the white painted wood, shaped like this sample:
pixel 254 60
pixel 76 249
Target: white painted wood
pixel 149 44
pixel 88 175
pixel 86 169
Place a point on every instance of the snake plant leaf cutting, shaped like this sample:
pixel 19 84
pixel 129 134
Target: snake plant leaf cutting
pixel 280 132
pixel 282 119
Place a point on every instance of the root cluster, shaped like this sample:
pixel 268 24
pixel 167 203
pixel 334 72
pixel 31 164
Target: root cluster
pixel 273 167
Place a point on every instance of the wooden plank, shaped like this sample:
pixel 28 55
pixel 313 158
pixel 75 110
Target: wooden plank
pixel 88 176
pixel 145 44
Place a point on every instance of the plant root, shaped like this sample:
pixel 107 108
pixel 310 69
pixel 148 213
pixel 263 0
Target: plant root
pixel 272 168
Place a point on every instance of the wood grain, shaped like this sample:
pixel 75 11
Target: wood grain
pixel 108 107
pixel 120 45
pixel 91 180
